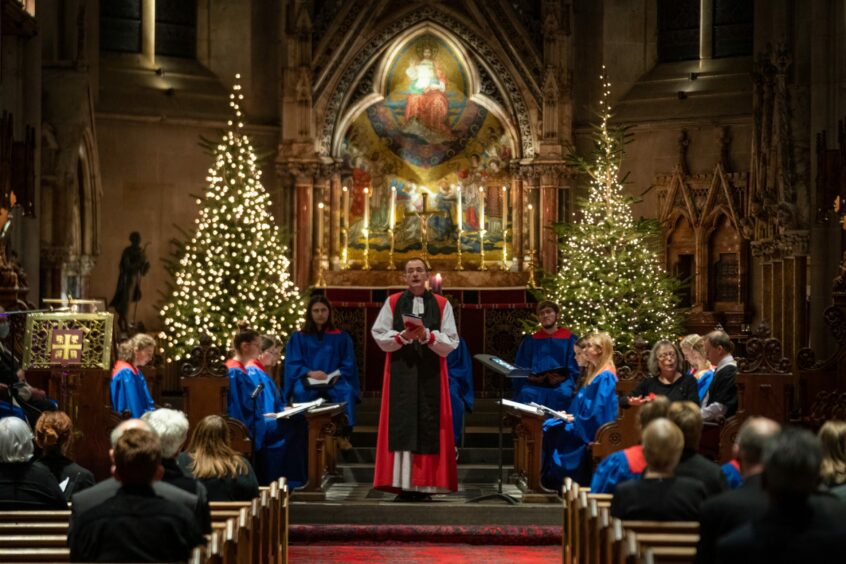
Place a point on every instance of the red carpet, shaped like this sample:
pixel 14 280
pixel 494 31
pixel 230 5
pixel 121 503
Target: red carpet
pixel 451 534
pixel 422 553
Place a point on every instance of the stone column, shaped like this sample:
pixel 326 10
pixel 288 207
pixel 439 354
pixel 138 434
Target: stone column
pixel 302 236
pixel 148 32
pixel 548 217
pixel 517 214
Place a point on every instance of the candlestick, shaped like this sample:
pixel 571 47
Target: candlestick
pixel 345 228
pixel 366 230
pixel 504 210
pixel 320 208
pixel 437 284
pixel 460 210
pixel 531 229
pixel 391 227
pixel 482 229
pixel 366 208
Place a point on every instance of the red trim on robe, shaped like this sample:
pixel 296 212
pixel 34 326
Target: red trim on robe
pixel 560 333
pixel 432 470
pixel 120 365
pixel 257 363
pixel 736 463
pixel 232 363
pixel 635 458
pixel 333 332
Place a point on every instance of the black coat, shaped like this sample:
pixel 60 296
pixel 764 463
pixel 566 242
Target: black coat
pixel 726 512
pixel 723 388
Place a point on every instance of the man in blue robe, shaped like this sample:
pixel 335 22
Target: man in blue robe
pixel 460 367
pixel 549 354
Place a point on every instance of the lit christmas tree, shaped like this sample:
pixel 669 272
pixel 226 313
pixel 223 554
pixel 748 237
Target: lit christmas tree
pixel 610 276
pixel 234 266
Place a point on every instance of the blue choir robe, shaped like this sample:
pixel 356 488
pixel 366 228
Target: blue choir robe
pixel 731 470
pixel 129 390
pixel 9 410
pixel 703 382
pixel 460 369
pixel 565 444
pixel 618 467
pixel 333 350
pixel 542 352
pixel 279 445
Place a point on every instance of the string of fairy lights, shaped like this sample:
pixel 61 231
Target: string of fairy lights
pixel 610 277
pixel 235 265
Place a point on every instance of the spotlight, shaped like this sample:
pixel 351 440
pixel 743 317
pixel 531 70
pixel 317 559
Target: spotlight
pixel 694 75
pixel 160 71
pixel 682 95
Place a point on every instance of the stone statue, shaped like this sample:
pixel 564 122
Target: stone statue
pixel 133 265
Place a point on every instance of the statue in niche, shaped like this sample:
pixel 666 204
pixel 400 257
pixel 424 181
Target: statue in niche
pixel 427 103
pixel 133 265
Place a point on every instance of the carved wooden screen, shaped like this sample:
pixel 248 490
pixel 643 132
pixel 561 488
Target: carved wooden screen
pixel 724 264
pixel 681 258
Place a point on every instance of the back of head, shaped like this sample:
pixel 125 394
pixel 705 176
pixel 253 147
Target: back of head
pixel 172 428
pixel 243 334
pixel 137 457
pixel 211 450
pixel 125 426
pixel 720 339
pixel 833 438
pixel 662 445
pixel 15 440
pixel 650 411
pixel 688 417
pixel 127 349
pixel 792 460
pixel 53 431
pixel 752 439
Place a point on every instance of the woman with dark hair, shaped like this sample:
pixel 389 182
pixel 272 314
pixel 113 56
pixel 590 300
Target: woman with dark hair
pixel 320 362
pixel 54 435
pixel 666 378
pixel 211 459
pixel 128 387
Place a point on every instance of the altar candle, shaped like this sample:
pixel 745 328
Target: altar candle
pixel 504 208
pixel 481 208
pixel 392 218
pixel 437 287
pixel 346 206
pixel 531 229
pixel 460 210
pixel 320 208
pixel 366 208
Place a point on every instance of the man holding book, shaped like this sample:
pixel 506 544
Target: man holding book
pixel 415 454
pixel 549 354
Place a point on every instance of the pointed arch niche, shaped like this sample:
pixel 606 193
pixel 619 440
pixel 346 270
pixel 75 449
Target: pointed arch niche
pixel 423 125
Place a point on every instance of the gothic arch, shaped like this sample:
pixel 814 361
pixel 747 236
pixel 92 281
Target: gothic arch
pixel 338 98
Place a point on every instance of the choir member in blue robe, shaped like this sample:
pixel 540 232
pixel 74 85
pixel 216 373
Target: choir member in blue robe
pixel 693 349
pixel 731 470
pixel 316 352
pixel 282 444
pixel 549 354
pixel 128 387
pixel 629 463
pixel 460 367
pixel 565 444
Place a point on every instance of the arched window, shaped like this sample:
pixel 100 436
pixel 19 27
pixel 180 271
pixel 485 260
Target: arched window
pixel 694 29
pixel 175 33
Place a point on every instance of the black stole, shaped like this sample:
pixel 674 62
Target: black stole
pixel 415 386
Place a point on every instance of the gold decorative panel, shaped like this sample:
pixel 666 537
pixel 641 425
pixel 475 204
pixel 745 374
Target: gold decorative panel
pixel 97 346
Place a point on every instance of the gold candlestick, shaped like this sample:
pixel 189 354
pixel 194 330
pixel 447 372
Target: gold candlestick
pixel 345 229
pixel 532 283
pixel 458 265
pixel 504 250
pixel 366 230
pixel 482 249
pixel 321 281
pixel 424 229
pixel 391 265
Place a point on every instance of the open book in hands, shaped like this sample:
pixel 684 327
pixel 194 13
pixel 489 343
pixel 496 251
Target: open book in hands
pixel 330 380
pixel 296 408
pixel 411 321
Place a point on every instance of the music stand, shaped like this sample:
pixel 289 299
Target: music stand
pixel 503 371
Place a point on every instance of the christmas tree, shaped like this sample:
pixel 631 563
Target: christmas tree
pixel 610 276
pixel 234 265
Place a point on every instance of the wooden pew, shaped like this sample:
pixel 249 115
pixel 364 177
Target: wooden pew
pixel 616 435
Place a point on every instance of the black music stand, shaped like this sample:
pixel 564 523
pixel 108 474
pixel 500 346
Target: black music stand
pixel 503 370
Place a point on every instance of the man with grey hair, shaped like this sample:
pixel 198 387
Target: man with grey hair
pixel 24 485
pixel 172 428
pixel 106 489
pixel 720 400
pixel 801 523
pixel 725 512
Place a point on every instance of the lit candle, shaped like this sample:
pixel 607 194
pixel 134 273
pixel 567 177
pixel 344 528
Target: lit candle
pixel 392 218
pixel 481 208
pixel 346 206
pixel 437 286
pixel 320 227
pixel 531 229
pixel 460 210
pixel 504 208
pixel 366 209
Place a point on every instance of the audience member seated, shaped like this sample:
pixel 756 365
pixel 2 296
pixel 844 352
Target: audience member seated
pixel 726 512
pixel 94 496
pixel 665 378
pixel 24 484
pixel 693 349
pixel 136 524
pixel 628 464
pixel 210 458
pixel 549 354
pixel 54 435
pixel 801 523
pixel 833 438
pixel 128 387
pixel 659 495
pixel 686 415
pixel 565 443
pixel 171 426
pixel 720 401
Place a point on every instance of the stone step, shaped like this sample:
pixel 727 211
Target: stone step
pixel 474 437
pixel 362 472
pixel 467 455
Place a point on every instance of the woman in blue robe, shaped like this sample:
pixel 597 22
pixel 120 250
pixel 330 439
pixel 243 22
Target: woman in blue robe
pixel 693 349
pixel 460 369
pixel 316 352
pixel 128 386
pixel 565 443
pixel 283 449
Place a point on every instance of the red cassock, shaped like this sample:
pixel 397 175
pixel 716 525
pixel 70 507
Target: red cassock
pixel 428 470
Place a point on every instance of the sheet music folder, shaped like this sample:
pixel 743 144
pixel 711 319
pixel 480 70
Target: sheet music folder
pixel 501 367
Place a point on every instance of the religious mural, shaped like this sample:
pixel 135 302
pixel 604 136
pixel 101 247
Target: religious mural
pixel 427 162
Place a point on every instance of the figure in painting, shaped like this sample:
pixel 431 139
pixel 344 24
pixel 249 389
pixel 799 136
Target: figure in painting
pixel 427 103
